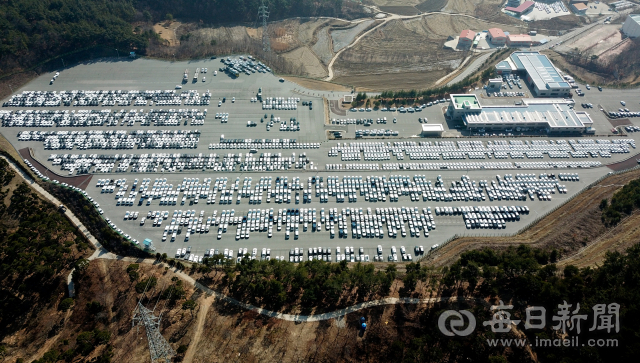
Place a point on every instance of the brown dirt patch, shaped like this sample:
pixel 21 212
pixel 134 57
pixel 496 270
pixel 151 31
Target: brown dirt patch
pixel 564 22
pixel 167 31
pixel 572 227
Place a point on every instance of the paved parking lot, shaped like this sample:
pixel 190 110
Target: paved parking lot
pixel 151 74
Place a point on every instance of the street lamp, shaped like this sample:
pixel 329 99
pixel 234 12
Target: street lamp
pixel 11 88
pixel 63 66
pixel 118 53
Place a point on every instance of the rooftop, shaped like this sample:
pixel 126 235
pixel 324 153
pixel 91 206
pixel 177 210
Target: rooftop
pixel 432 128
pixel 553 114
pixel 523 7
pixel 496 32
pixel 466 101
pixel 519 38
pixel 468 34
pixel 540 69
pixel 635 17
pixel 579 6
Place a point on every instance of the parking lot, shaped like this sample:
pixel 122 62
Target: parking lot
pixel 206 171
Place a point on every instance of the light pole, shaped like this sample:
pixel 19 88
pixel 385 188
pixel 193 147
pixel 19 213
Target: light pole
pixel 118 53
pixel 63 66
pixel 11 89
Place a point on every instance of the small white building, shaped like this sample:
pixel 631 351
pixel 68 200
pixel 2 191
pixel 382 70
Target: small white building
pixel 432 130
pixel 631 26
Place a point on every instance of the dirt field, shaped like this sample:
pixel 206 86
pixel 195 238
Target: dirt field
pixel 311 65
pixel 400 10
pixel 408 50
pixel 604 42
pixel 560 23
pixel 317 85
pixel 431 5
pixel 583 74
pixel 343 37
pixel 322 46
pixel 571 228
pixel 462 6
pixel 167 31
pixel 393 81
pixel 396 2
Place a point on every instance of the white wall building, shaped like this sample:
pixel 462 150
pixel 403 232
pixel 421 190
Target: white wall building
pixel 631 26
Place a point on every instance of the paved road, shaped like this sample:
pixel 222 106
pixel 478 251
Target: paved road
pixel 471 68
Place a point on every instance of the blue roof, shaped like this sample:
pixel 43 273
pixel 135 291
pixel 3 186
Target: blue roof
pixel 539 68
pixel 503 65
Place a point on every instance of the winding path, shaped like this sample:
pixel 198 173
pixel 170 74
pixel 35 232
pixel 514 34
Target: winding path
pixel 102 253
pixel 384 21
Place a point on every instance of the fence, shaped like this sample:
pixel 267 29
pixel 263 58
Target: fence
pixel 532 223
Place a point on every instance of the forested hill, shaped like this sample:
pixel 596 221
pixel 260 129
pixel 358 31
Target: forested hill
pixel 32 31
pixel 35 30
pixel 225 11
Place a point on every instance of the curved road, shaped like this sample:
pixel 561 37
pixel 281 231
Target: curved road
pixel 102 253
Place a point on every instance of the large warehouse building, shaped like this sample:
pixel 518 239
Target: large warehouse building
pixel 538 71
pixel 631 26
pixel 551 115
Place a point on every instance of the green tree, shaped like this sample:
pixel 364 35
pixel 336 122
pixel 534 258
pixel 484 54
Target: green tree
pixel 168 17
pixel 147 16
pixel 189 305
pixel 66 304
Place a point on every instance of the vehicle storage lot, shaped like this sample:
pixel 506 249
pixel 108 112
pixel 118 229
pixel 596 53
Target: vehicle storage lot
pixel 152 75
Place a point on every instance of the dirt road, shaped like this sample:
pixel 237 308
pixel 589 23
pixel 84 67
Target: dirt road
pixel 202 314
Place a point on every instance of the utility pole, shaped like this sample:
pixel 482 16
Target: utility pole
pixel 63 66
pixel 118 53
pixel 263 12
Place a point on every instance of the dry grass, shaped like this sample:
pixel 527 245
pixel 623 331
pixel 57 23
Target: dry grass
pixel 400 10
pixel 432 5
pixel 406 54
pixel 167 31
pixel 317 85
pixel 311 65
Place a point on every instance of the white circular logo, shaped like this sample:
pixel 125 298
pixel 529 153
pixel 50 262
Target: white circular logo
pixel 456 321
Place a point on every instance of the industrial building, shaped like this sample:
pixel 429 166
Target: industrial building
pixel 631 26
pixel 519 40
pixel 550 115
pixel 538 71
pixel 497 37
pixel 523 8
pixel 579 8
pixel 466 38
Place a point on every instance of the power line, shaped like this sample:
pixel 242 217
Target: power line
pixel 263 12
pixel 159 348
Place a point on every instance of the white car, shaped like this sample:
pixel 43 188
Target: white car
pixel 203 79
pixel 178 86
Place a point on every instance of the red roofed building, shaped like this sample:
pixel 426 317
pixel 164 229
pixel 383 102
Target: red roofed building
pixel 519 40
pixel 466 37
pixel 523 8
pixel 497 37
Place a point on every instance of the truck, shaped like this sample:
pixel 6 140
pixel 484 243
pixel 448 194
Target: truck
pixel 195 75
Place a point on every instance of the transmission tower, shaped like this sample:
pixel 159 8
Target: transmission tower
pixel 263 12
pixel 159 348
